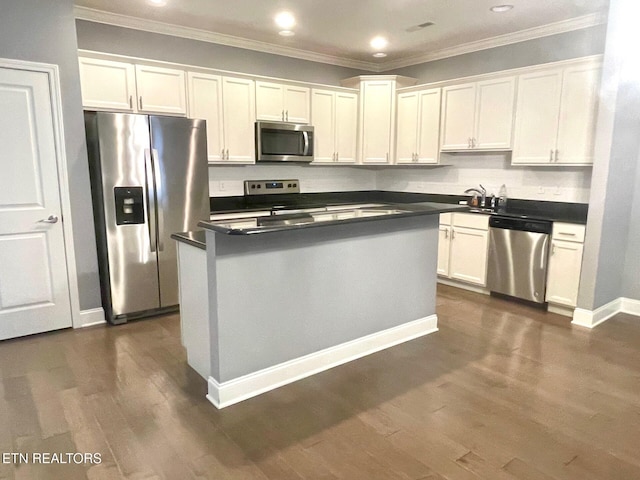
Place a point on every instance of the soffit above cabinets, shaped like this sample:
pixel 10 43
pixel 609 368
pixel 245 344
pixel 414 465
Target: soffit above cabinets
pixel 338 32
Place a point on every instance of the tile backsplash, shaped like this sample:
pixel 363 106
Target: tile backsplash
pixel 457 173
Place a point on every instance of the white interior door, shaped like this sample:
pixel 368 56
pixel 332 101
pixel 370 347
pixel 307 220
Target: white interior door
pixel 34 288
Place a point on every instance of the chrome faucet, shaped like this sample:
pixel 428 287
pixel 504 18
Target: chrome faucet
pixel 482 192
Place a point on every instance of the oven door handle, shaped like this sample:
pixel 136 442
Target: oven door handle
pixel 305 151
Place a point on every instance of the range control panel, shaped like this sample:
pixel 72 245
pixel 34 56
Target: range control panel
pixel 267 187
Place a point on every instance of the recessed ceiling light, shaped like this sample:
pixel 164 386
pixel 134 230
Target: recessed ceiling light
pixel 285 20
pixel 501 8
pixel 286 33
pixel 380 55
pixel 157 3
pixel 378 43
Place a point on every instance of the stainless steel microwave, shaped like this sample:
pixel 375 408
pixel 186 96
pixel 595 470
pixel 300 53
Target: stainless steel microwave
pixel 284 142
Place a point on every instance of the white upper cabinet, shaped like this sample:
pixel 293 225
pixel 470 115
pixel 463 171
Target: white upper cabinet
pixel 205 101
pixel 418 127
pixel 556 114
pixel 377 106
pixel 161 90
pixel 334 117
pixel 108 85
pixel 282 103
pixel 239 109
pixel 478 115
pixel 122 86
pixel 227 104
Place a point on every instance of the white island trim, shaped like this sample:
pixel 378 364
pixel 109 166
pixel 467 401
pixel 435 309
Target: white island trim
pixel 239 389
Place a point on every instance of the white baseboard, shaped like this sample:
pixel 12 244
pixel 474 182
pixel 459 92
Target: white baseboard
pixel 593 318
pixel 239 389
pixel 91 317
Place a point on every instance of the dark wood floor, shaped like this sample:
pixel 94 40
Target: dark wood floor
pixel 501 392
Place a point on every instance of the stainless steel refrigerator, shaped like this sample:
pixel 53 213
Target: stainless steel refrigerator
pixel 149 179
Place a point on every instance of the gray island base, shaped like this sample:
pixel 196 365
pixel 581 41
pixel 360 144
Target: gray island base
pixel 260 310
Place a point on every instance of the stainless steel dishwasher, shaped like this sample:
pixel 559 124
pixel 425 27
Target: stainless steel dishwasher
pixel 518 254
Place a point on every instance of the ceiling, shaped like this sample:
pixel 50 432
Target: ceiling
pixel 339 31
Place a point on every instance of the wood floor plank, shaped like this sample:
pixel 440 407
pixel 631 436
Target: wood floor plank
pixel 502 391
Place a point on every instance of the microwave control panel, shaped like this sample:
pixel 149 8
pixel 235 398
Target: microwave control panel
pixel 267 187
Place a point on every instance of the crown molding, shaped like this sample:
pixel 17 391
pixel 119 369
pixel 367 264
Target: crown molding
pixel 152 26
pixel 100 16
pixel 555 28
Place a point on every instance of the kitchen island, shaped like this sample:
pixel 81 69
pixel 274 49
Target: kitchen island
pixel 267 301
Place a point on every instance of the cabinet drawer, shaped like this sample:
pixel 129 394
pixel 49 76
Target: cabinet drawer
pixel 570 232
pixel 445 218
pixel 471 220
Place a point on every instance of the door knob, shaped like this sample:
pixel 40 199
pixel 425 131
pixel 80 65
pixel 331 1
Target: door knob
pixel 51 219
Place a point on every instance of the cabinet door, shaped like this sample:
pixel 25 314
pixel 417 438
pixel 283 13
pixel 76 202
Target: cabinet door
pixel 205 101
pixel 161 90
pixel 469 255
pixel 458 111
pixel 537 113
pixel 296 104
pixel 578 109
pixel 563 277
pixel 376 121
pixel 323 111
pixel 428 146
pixel 107 85
pixel 407 127
pixel 269 101
pixel 444 249
pixel 346 127
pixel 494 114
pixel 239 109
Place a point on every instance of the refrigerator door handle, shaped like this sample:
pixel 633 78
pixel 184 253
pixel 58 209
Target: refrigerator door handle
pixel 159 193
pixel 151 199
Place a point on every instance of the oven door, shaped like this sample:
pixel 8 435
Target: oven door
pixel 283 142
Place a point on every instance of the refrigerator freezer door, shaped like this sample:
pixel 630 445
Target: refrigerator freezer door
pixel 123 141
pixel 179 152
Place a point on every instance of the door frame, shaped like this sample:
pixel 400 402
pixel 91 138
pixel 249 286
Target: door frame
pixel 53 73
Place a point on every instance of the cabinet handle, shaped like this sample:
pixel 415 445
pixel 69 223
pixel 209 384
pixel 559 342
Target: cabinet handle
pixel 567 233
pixel 557 155
pixel 453 234
pixel 553 249
pixel 470 144
pixel 287 115
pixel 387 156
pixel 551 155
pixel 446 234
pixel 222 154
pixel 227 154
pixel 141 108
pixel 473 142
pixel 131 102
pixel 337 156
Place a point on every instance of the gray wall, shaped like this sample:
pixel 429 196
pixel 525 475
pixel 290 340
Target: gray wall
pixel 617 147
pixel 135 43
pixel 631 287
pixel 579 43
pixel 44 31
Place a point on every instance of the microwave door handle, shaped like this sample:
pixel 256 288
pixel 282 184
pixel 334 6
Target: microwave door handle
pixel 305 135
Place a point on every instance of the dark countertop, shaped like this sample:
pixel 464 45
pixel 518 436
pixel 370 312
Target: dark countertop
pixel 197 238
pixel 535 209
pixel 281 223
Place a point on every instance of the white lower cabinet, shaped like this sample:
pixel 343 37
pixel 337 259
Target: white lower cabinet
pixel 463 248
pixel 565 264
